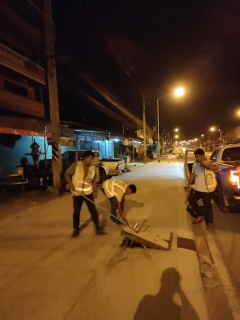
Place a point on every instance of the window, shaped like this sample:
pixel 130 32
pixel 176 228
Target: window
pixel 14 88
pixel 214 155
pixel 231 154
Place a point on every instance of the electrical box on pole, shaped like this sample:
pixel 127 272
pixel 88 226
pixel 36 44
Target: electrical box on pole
pixel 53 95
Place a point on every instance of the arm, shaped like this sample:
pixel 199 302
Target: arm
pixel 123 203
pixel 68 175
pixel 120 211
pixel 68 178
pixel 209 166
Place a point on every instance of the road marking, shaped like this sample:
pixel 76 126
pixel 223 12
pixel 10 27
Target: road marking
pixel 228 287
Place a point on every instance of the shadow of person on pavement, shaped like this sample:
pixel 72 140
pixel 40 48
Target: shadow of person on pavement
pixel 162 306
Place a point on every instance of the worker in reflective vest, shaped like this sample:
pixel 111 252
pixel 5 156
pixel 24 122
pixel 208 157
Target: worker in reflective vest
pixel 82 179
pixel 203 176
pixel 115 191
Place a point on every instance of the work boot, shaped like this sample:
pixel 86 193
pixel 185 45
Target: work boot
pixel 100 232
pixel 114 221
pixel 75 233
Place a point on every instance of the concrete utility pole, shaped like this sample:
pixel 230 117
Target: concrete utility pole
pixel 53 95
pixel 144 130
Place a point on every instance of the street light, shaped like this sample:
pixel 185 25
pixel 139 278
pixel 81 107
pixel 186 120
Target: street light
pixel 176 130
pixel 176 136
pixel 178 93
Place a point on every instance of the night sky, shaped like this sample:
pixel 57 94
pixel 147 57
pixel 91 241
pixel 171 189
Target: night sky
pixel 161 45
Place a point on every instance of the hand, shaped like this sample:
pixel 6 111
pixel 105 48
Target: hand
pixel 71 186
pixel 95 195
pixel 203 163
pixel 189 188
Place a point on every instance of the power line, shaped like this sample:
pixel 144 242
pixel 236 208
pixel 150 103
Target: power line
pixel 78 92
pixel 104 92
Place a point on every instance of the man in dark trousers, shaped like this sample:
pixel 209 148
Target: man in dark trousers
pixel 115 191
pixel 204 180
pixel 82 179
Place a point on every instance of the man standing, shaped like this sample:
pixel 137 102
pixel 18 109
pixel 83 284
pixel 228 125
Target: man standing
pixel 115 191
pixel 82 179
pixel 204 180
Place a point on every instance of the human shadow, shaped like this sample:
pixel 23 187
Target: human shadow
pixel 162 306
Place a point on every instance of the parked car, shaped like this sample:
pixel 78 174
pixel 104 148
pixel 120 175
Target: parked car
pixel 106 167
pixel 178 152
pixel 110 167
pixel 228 178
pixel 152 154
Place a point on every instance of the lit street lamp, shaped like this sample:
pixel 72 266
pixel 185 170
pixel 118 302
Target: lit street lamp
pixel 178 93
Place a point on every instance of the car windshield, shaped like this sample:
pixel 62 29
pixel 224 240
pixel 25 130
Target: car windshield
pixel 231 154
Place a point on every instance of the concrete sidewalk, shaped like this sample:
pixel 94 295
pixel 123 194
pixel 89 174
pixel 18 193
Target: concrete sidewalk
pixel 45 274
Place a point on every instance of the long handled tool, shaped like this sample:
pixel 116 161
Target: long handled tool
pixel 124 222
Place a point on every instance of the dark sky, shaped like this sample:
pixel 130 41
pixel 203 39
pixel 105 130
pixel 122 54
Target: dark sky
pixel 161 44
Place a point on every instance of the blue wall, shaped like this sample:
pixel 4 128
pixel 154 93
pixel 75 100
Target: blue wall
pixel 10 157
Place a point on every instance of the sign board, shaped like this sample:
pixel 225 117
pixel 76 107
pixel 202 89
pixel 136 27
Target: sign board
pixel 14 61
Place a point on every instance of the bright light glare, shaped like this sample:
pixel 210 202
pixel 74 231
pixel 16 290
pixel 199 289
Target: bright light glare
pixel 179 92
pixel 212 129
pixel 176 130
pixel 176 136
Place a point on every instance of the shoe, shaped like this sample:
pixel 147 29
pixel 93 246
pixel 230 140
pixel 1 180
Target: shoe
pixel 115 221
pixel 100 232
pixel 75 233
pixel 210 226
pixel 198 220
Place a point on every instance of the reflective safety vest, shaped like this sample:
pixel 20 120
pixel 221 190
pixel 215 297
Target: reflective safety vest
pixel 82 183
pixel 210 178
pixel 109 187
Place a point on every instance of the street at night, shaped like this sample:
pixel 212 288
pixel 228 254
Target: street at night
pixel 119 160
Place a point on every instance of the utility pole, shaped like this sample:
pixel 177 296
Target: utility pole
pixel 53 95
pixel 144 130
pixel 158 126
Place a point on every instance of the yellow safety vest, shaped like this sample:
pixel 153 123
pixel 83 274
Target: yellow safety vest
pixel 210 178
pixel 109 187
pixel 83 185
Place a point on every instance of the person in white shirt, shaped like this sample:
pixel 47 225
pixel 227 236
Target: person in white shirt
pixel 115 191
pixel 204 184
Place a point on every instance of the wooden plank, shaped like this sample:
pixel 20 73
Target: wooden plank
pixel 155 240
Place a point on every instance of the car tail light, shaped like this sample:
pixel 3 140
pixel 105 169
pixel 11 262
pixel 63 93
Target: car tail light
pixel 234 177
pixel 117 167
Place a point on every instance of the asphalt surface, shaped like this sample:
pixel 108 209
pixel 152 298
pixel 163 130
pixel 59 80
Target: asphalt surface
pixel 46 274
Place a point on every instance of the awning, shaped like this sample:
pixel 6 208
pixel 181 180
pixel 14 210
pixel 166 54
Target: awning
pixel 21 132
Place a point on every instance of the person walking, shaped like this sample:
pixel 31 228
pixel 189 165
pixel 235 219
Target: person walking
pixel 82 179
pixel 115 191
pixel 205 183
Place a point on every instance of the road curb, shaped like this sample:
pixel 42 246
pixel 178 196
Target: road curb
pixel 216 299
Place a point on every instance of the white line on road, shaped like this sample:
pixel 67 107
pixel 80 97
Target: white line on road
pixel 228 287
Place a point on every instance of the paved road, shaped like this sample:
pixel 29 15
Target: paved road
pixel 45 274
pixel 224 243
